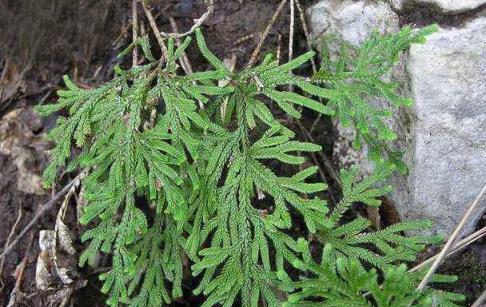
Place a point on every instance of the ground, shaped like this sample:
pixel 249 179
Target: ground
pixel 81 38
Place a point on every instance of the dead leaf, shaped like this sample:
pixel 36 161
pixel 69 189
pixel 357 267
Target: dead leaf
pixel 11 81
pixel 43 276
pixel 62 231
pixel 18 140
pixel 57 263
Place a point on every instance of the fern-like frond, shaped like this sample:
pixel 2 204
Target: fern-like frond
pixel 355 80
pixel 184 165
pixel 355 240
pixel 345 282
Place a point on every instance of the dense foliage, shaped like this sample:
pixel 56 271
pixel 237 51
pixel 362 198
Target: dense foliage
pixel 182 176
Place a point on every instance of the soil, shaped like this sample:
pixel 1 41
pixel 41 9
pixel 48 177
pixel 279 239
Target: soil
pixel 87 35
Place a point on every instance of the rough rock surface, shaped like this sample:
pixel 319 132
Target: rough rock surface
pixel 444 135
pixel 448 83
pixel 442 6
pixel 352 21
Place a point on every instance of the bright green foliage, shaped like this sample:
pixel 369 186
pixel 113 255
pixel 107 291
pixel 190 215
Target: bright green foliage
pixel 241 238
pixel 353 239
pixel 134 152
pixel 341 278
pixel 181 176
pixel 344 282
pixel 357 79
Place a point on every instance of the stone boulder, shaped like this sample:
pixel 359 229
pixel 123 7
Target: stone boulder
pixel 444 135
pixel 448 85
pixel 351 21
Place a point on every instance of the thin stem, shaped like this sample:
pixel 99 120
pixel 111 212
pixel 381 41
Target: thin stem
pixel 306 33
pixel 134 33
pixel 331 170
pixel 42 211
pixel 156 31
pixel 291 37
pixel 480 300
pixel 11 234
pixel 457 247
pixel 451 240
pixel 259 46
pixel 197 23
pixel 186 65
pixel 327 164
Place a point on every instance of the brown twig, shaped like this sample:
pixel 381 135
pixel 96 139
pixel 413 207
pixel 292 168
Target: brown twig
pixel 259 46
pixel 197 23
pixel 309 46
pixel 291 30
pixel 291 37
pixel 42 211
pixel 306 33
pixel 16 293
pixel 331 170
pixel 451 240
pixel 327 163
pixel 134 33
pixel 156 31
pixel 10 235
pixel 186 65
pixel 243 39
pixel 457 247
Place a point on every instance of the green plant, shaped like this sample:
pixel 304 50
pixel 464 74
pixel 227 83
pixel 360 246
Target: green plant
pixel 358 77
pixel 345 282
pixel 200 150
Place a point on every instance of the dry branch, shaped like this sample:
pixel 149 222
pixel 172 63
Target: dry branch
pixel 197 23
pixel 156 31
pixel 457 247
pixel 75 182
pixel 134 33
pixel 451 240
pixel 259 46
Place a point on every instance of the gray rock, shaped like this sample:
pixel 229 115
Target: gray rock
pixel 444 135
pixel 442 6
pixel 351 21
pixel 448 85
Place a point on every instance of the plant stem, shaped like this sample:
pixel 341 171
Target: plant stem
pixel 259 46
pixel 134 33
pixel 457 247
pixel 451 240
pixel 156 31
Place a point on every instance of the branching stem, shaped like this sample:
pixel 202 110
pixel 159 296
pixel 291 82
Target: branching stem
pixel 197 23
pixel 259 46
pixel 156 31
